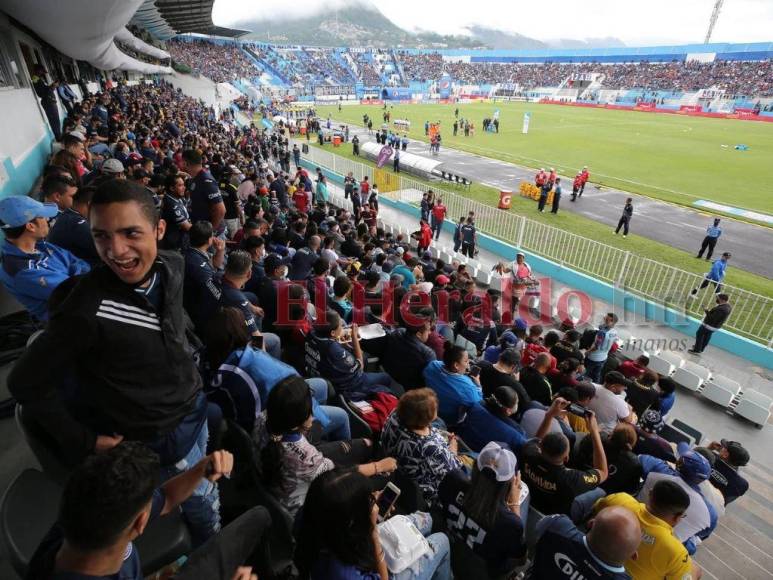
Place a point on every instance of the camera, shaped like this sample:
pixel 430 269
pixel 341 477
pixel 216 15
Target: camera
pixel 578 410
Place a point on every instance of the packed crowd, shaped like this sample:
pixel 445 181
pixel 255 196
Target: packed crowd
pixel 219 63
pixel 734 77
pixel 198 291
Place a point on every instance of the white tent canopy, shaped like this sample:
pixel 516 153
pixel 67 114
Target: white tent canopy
pixel 83 29
pixel 139 45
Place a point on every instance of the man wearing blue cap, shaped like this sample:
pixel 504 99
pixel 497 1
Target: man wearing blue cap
pixel 692 469
pixel 30 267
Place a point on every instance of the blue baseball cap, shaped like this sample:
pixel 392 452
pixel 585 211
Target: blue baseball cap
pixel 693 466
pixel 520 324
pixel 17 210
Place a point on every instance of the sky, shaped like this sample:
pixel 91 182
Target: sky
pixel 635 22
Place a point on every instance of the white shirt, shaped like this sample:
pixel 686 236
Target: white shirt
pixel 533 418
pixel 610 408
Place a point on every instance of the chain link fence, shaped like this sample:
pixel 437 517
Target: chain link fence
pixel 752 314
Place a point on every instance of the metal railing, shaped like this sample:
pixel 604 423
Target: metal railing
pixel 752 314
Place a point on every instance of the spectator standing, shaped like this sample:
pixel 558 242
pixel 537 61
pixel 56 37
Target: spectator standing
pixel 438 217
pixel 556 195
pixel 47 95
pixel 596 356
pixel 712 236
pixel 127 311
pixel 625 219
pixel 713 321
pixel 206 202
pixel 715 276
pixel 175 213
pixel 469 237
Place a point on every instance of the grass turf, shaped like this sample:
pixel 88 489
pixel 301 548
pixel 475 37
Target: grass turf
pixel 675 158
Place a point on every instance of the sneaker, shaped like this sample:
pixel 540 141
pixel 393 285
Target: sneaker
pixel 625 235
pixel 693 351
pixel 691 295
pixel 615 233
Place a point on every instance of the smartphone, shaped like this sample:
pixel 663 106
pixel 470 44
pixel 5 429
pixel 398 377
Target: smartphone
pixel 387 500
pixel 257 341
pixel 474 371
pixel 578 410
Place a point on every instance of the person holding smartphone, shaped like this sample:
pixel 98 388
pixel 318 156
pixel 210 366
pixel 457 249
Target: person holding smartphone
pixel 484 511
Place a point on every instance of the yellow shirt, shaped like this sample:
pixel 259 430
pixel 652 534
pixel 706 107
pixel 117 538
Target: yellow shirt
pixel 661 555
pixel 578 424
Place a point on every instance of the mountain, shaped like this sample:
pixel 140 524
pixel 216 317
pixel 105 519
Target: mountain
pixel 358 24
pixel 361 23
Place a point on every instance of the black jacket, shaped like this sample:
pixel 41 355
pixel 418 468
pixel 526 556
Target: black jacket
pixel 133 366
pixel 405 359
pixel 717 316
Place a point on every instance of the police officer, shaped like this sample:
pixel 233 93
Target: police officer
pixel 625 219
pixel 47 95
pixel 469 237
pixel 712 235
pixel 556 195
pixel 206 202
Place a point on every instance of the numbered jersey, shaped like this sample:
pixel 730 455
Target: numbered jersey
pixel 498 544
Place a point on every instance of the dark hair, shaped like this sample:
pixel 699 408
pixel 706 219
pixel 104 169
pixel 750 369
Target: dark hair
pixel 124 191
pixel 501 399
pixel 238 264
pixel 417 408
pixel 106 493
pixel 567 393
pixel 649 378
pixel 510 357
pixel 336 519
pixel 192 156
pixel 425 314
pixel 200 233
pixel 287 408
pixel 667 385
pixel 643 360
pixel 613 316
pixel 585 391
pixel 84 195
pixel 572 336
pixel 332 320
pixel 224 332
pixel 320 266
pixel 554 445
pixel 452 354
pixel 55 184
pixel 485 497
pixel 551 339
pixel 341 285
pixel 668 497
pixel 68 140
pixel 253 243
pixel 569 365
pixel 170 181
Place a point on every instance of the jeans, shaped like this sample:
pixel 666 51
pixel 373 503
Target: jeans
pixel 272 344
pixel 383 380
pixel 435 564
pixel 239 543
pixel 583 504
pixel 337 428
pixel 702 338
pixel 594 368
pixel 202 508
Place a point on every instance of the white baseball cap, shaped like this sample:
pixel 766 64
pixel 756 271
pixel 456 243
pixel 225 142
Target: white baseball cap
pixel 498 459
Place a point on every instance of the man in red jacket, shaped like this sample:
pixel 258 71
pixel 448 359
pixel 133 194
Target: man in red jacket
pixel 539 179
pixel 552 177
pixel 576 185
pixel 438 217
pixel 585 176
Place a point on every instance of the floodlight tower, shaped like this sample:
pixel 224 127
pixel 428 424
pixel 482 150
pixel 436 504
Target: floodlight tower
pixel 713 21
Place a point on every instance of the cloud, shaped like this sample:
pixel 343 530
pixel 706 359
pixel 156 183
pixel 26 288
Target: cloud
pixel 639 23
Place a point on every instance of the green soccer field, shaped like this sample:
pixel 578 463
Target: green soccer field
pixel 671 157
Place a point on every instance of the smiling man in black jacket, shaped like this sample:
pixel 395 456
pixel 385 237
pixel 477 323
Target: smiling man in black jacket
pixel 119 334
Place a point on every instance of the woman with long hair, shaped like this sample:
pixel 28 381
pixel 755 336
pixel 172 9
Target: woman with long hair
pixel 454 387
pixel 490 420
pixel 493 500
pixel 339 536
pixel 289 462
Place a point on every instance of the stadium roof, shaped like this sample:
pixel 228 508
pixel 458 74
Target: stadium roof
pixel 166 18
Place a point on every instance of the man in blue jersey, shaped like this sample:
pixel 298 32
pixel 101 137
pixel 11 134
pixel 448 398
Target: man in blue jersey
pixel 716 275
